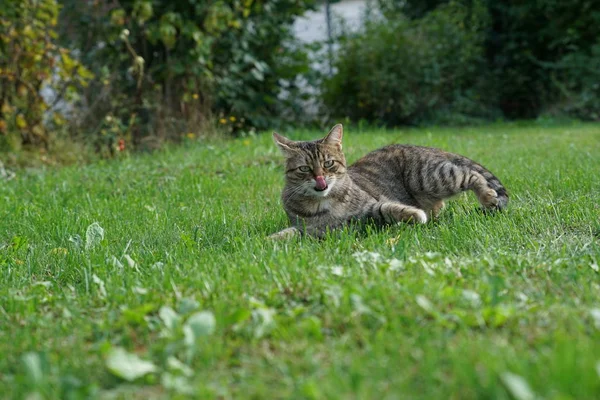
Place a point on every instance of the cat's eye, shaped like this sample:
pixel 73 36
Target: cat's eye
pixel 304 168
pixel 328 164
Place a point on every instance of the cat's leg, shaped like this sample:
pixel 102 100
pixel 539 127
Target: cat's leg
pixel 436 208
pixel 449 178
pixel 287 233
pixel 391 212
pixel 487 196
pixel 465 175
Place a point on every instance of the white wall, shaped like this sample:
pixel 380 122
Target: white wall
pixel 313 25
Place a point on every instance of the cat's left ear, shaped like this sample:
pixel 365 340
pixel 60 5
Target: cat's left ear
pixel 335 136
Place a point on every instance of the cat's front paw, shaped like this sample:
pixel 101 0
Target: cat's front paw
pixel 401 213
pixel 287 233
pixel 418 216
pixel 489 198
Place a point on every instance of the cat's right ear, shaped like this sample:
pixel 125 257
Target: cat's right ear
pixel 284 144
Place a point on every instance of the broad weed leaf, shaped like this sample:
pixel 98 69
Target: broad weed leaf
pixel 130 261
pixel 101 286
pixel 94 234
pixel 595 313
pixel 76 240
pixel 128 366
pixel 6 174
pixel 263 321
pixel 187 305
pixel 178 384
pixel 175 365
pixel 115 262
pixel 33 366
pixel 517 386
pixel 424 303
pixel 169 317
pixel 198 325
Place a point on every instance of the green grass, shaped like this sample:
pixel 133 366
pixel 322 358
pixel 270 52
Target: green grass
pixel 459 309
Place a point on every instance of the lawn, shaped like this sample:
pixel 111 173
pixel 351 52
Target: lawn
pixel 150 277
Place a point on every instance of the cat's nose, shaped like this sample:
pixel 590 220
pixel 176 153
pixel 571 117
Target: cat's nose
pixel 321 183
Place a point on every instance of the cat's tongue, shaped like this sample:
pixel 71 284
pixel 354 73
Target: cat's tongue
pixel 321 183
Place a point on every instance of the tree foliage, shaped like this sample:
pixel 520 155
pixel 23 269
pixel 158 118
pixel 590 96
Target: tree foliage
pixel 541 54
pixel 537 51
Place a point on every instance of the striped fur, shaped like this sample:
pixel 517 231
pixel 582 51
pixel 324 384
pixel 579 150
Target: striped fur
pixel 397 183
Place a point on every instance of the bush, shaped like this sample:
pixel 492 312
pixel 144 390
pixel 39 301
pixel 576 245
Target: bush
pixel 184 62
pixel 31 61
pixel 404 71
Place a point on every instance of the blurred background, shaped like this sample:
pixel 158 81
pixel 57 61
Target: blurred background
pixel 113 76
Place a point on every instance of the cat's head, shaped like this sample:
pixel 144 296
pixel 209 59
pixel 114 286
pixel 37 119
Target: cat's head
pixel 313 168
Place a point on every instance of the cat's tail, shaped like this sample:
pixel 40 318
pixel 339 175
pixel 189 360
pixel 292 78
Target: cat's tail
pixel 492 182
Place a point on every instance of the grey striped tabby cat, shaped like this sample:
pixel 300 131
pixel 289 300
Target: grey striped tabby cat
pixel 397 183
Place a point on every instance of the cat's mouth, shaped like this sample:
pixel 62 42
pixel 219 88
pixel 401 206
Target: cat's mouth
pixel 320 184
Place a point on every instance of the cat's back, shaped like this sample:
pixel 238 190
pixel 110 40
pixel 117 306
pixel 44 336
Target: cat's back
pixel 398 157
pixel 390 170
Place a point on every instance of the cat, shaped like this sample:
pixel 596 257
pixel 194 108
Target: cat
pixel 397 183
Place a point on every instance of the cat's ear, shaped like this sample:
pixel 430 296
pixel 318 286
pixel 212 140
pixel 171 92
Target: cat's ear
pixel 335 136
pixel 284 144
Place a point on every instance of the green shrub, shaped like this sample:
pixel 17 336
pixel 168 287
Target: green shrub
pixel 403 71
pixel 30 60
pixel 185 62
